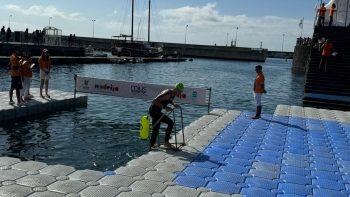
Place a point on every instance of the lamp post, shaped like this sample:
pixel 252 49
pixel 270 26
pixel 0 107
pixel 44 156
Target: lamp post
pixel 186 33
pixel 9 21
pixel 49 21
pixel 282 42
pixel 93 31
pixel 236 37
pixel 227 39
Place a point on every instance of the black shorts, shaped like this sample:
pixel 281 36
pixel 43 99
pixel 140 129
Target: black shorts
pixel 16 82
pixel 325 58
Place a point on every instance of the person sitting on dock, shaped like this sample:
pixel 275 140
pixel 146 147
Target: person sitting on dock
pixel 259 89
pixel 16 82
pixel 160 102
pixel 327 49
pixel 45 66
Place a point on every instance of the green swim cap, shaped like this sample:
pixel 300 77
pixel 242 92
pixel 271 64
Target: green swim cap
pixel 180 86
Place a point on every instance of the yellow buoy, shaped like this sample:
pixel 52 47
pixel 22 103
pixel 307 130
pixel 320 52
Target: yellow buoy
pixel 144 127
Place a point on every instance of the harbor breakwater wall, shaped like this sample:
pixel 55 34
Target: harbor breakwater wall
pixel 216 52
pixel 301 57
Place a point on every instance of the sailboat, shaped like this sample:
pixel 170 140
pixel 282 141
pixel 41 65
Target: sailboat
pixel 131 48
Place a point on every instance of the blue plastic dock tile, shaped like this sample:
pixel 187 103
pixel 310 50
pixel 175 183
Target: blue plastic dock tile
pixel 206 164
pixel 251 139
pixel 266 166
pixel 272 147
pixel 320 148
pixel 324 167
pixel 225 140
pixel 216 151
pixel 208 157
pixel 223 187
pixel 295 170
pixel 320 192
pixel 242 155
pixel 266 159
pixel 296 163
pixel 292 156
pixel 344 169
pixel 238 161
pixel 245 149
pixel 328 184
pixel 329 161
pixel 197 171
pixel 261 183
pixel 290 195
pixel 296 179
pixel 296 145
pixel 326 175
pixel 229 177
pixel 344 163
pixel 221 145
pixel 234 169
pixel 297 151
pixel 270 153
pixel 274 142
pixel 256 192
pixel 191 181
pixel 343 157
pixel 248 144
pixel 264 174
pixel 291 188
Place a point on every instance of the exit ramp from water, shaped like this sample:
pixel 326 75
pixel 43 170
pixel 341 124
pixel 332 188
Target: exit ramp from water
pixel 58 100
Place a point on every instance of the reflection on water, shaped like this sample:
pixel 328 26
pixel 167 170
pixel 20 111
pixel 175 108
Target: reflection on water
pixel 105 134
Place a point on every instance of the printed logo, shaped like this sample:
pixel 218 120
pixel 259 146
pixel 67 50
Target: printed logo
pixel 106 88
pixel 183 96
pixel 138 91
pixel 86 84
pixel 194 96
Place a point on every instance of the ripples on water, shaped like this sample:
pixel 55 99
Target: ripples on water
pixel 105 135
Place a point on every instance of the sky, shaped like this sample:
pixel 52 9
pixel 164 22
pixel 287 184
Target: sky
pixel 204 22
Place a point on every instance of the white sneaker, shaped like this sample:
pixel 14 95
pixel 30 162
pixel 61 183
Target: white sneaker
pixel 11 102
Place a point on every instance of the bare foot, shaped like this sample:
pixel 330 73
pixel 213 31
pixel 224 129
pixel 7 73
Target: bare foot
pixel 168 145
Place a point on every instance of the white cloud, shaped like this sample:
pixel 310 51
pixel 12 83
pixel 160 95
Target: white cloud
pixel 49 11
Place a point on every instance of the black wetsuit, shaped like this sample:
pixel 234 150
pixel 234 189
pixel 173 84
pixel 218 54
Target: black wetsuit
pixel 156 114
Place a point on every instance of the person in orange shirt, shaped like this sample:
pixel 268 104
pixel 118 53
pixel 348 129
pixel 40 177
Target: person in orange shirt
pixel 327 49
pixel 331 12
pixel 45 66
pixel 259 89
pixel 321 14
pixel 16 82
pixel 27 74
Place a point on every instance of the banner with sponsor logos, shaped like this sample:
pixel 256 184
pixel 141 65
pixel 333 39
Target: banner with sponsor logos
pixel 145 91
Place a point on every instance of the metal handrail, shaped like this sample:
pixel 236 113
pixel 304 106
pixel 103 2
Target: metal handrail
pixel 174 128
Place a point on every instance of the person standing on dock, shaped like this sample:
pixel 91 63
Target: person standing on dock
pixel 16 82
pixel 3 36
pixel 327 49
pixel 331 12
pixel 27 74
pixel 259 89
pixel 45 66
pixel 321 14
pixel 160 102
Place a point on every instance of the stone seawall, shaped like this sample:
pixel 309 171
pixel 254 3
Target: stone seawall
pixel 301 57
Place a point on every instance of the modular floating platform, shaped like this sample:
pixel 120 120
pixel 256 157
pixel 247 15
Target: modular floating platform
pixel 294 152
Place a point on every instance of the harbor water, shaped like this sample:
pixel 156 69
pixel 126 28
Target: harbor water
pixel 105 135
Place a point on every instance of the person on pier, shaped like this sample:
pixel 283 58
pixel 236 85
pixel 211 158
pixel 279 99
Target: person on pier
pixel 259 89
pixel 45 66
pixel 27 74
pixel 331 12
pixel 321 15
pixel 16 82
pixel 161 102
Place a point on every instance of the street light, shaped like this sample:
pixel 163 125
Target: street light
pixel 9 21
pixel 49 21
pixel 236 37
pixel 226 39
pixel 282 42
pixel 186 33
pixel 93 31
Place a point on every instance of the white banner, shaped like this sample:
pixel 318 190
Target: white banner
pixel 196 96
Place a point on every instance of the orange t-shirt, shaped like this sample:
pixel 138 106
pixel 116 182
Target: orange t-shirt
pixel 14 61
pixel 26 70
pixel 259 79
pixel 331 12
pixel 322 11
pixel 327 49
pixel 44 64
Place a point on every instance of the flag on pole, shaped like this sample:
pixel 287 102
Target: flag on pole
pixel 301 23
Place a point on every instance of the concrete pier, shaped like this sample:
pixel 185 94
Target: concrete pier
pixel 294 152
pixel 58 100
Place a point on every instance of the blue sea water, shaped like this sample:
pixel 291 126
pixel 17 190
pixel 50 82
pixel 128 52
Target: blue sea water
pixel 105 135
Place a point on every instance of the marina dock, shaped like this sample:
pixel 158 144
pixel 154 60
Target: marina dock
pixel 58 100
pixel 294 152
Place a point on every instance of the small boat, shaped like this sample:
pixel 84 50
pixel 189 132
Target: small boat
pixel 91 52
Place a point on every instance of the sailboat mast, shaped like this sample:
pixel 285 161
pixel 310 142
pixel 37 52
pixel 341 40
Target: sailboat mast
pixel 149 18
pixel 132 22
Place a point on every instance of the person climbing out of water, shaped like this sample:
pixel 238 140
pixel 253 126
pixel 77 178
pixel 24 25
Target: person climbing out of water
pixel 161 102
pixel 259 89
